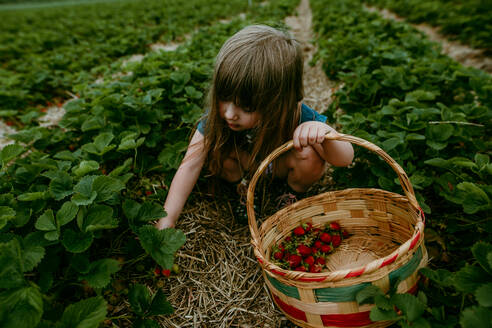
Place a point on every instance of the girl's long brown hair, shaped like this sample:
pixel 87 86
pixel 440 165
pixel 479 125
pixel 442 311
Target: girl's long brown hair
pixel 260 69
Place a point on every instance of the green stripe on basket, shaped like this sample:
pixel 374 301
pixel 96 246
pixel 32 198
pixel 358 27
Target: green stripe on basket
pixel 406 271
pixel 339 294
pixel 347 294
pixel 287 290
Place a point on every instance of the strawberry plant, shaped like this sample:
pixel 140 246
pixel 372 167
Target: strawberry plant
pixel 458 20
pixel 428 113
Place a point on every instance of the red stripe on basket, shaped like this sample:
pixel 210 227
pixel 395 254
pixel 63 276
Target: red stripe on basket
pixel 422 214
pixel 355 273
pixel 415 240
pixel 290 310
pixel 358 319
pixel 259 260
pixel 389 261
pixel 277 272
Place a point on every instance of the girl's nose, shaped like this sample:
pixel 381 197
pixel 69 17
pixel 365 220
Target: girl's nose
pixel 230 112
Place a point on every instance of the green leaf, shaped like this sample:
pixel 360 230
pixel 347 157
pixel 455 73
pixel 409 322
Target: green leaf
pixel 139 298
pixel 76 241
pixel 52 235
pixel 469 278
pixel 99 217
pixel 439 132
pixel 66 213
pixel 438 162
pixel 475 199
pixel 442 276
pixel 366 295
pixel 409 305
pixel 31 196
pixel 160 305
pixel 476 317
pixel 32 255
pixel 481 251
pixel 151 211
pixel 81 200
pixel 131 209
pixel 21 307
pixel 378 314
pixel 100 272
pixel 61 185
pixel 106 187
pixel 483 295
pixel 11 275
pixel 391 143
pixel 161 244
pixel 10 152
pixel 6 214
pixel 46 222
pixel 84 193
pixel 88 313
pixel 85 167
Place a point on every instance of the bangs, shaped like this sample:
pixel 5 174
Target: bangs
pixel 237 86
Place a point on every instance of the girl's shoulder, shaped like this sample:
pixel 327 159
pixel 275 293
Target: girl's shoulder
pixel 309 114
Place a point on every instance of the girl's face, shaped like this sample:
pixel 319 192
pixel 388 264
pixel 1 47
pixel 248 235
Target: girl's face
pixel 237 118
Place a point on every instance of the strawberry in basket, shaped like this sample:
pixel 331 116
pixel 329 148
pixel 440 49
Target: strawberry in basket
pixel 306 248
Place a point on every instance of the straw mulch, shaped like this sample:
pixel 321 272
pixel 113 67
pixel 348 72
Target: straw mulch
pixel 221 284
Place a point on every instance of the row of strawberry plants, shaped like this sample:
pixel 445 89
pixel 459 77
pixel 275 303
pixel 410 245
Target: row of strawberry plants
pixel 432 116
pixel 70 193
pixel 45 51
pixel 468 21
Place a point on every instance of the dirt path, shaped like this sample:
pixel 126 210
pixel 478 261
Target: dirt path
pixel 464 54
pixel 318 89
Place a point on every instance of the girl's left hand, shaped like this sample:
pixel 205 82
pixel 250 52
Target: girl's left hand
pixel 311 133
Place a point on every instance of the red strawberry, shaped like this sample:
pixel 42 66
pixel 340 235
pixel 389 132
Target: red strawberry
pixel 157 271
pixel 294 260
pixel 287 239
pixel 325 237
pixel 278 255
pixel 308 226
pixel 320 260
pixel 304 250
pixel 166 272
pixel 317 244
pixel 300 268
pixel 10 123
pixel 315 269
pixel 326 248
pixel 299 231
pixel 148 192
pixel 309 260
pixel 345 233
pixel 334 226
pixel 336 240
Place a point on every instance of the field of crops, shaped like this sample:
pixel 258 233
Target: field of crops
pixel 77 198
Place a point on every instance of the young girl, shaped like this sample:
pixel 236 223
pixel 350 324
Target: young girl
pixel 254 107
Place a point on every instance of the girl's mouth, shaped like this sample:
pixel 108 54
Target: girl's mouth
pixel 233 126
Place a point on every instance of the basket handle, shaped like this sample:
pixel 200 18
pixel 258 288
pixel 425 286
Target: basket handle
pixel 404 180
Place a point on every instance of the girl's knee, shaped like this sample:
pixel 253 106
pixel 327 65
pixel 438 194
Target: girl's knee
pixel 230 170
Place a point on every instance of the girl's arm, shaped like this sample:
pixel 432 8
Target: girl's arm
pixel 184 180
pixel 312 133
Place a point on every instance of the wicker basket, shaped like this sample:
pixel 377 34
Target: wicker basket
pixel 385 244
